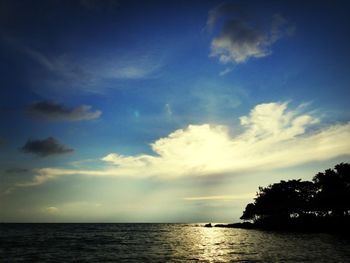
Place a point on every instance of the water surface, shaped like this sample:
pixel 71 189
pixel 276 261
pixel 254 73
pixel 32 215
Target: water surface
pixel 164 243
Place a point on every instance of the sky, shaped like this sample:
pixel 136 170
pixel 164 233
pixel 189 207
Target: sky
pixel 166 111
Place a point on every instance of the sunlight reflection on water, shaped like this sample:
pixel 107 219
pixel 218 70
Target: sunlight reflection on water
pixel 214 244
pixel 203 244
pixel 208 243
pixel 163 243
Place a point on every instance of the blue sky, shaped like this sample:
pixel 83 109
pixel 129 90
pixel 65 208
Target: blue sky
pixel 176 111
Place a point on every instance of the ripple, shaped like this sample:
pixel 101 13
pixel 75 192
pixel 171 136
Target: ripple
pixel 163 243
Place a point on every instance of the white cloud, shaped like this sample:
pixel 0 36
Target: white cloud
pixel 168 110
pixel 66 72
pixel 142 67
pixel 225 71
pixel 273 137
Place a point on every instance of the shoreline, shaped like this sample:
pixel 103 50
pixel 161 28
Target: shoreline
pixel 310 227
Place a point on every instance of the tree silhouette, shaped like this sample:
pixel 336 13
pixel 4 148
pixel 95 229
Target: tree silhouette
pixel 282 200
pixel 249 212
pixel 333 196
pixel 327 196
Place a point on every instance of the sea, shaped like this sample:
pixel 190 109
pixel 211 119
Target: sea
pixel 164 243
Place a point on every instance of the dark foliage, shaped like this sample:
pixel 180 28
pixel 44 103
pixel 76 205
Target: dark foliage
pixel 297 203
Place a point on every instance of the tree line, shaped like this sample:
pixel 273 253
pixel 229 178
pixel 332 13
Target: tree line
pixel 327 196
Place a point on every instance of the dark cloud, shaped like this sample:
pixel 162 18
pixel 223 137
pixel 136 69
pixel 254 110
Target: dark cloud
pixel 222 10
pixel 17 171
pixel 244 36
pixel 51 111
pixel 46 147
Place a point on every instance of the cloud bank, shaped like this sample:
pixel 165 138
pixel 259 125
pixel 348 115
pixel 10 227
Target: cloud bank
pixel 221 197
pixel 273 137
pixel 51 111
pixel 46 147
pixel 244 37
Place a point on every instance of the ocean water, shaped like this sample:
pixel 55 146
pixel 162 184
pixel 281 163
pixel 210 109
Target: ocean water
pixel 164 243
